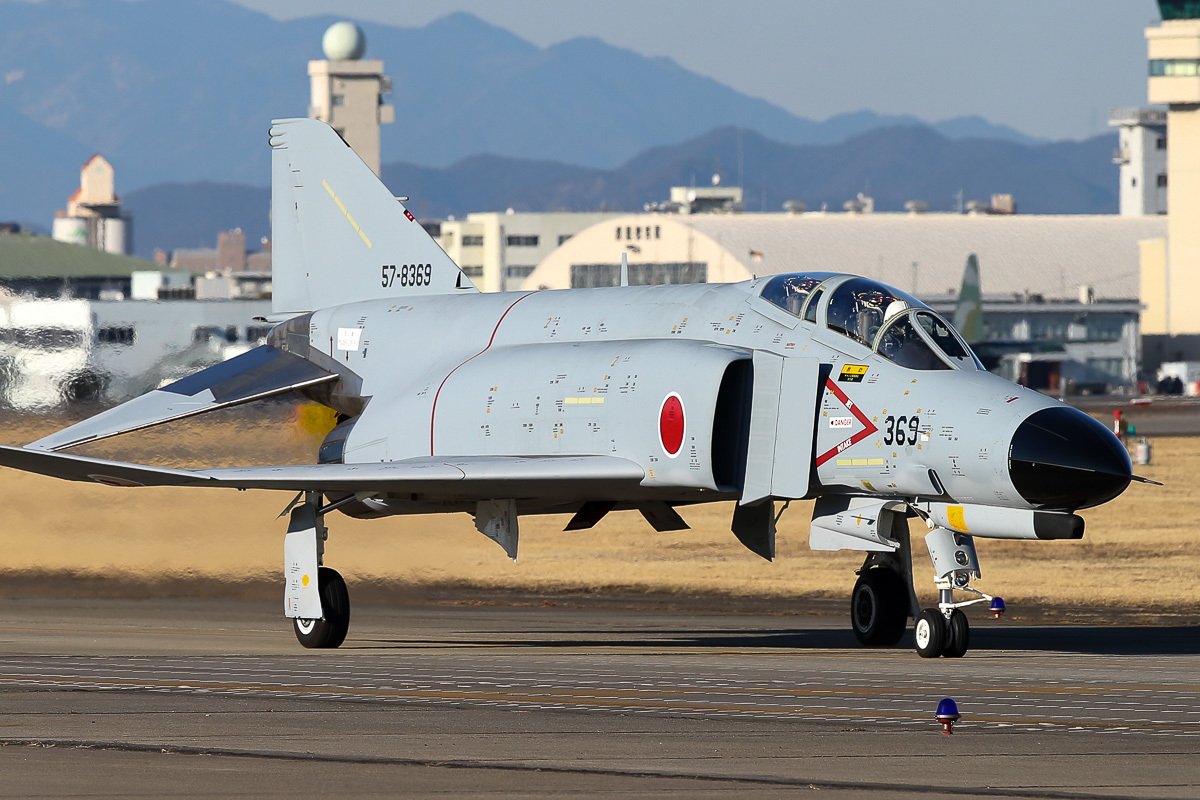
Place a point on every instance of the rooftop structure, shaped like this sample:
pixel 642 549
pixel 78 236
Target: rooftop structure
pixel 44 267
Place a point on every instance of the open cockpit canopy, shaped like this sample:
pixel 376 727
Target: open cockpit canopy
pixel 894 324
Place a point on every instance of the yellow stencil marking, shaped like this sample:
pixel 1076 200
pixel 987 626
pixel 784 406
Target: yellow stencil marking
pixel 583 401
pixel 304 580
pixel 357 229
pixel 954 515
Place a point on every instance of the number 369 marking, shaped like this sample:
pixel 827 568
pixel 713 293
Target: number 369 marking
pixel 901 431
pixel 405 275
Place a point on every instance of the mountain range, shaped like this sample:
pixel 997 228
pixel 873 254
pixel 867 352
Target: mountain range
pixel 175 92
pixel 893 165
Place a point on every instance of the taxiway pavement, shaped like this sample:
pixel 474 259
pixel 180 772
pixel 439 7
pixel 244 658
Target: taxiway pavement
pixel 199 698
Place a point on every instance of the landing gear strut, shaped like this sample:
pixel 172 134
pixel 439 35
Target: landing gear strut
pixel 944 630
pixel 883 600
pixel 315 598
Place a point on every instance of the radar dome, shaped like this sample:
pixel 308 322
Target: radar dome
pixel 344 41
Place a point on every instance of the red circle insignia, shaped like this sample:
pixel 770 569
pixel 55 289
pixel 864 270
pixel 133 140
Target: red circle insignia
pixel 670 424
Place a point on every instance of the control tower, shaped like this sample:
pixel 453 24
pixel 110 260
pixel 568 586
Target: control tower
pixel 347 91
pixel 1174 50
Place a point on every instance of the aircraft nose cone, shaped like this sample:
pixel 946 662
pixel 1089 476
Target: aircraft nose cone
pixel 1062 459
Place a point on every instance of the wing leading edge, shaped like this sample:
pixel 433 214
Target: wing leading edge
pixel 471 476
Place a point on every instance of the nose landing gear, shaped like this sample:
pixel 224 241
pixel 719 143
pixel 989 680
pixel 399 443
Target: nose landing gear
pixel 944 630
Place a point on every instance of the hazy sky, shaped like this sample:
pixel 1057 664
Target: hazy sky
pixel 1051 68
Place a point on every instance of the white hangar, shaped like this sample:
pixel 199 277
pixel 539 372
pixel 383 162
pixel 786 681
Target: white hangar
pixel 1060 293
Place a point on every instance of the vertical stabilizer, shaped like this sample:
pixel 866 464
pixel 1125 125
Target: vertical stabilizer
pixel 968 311
pixel 337 233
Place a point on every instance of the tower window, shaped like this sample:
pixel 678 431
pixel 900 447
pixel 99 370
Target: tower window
pixel 1162 180
pixel 339 100
pixel 1160 143
pixel 1175 68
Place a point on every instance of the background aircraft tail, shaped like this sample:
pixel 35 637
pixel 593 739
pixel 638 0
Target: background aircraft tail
pixel 968 311
pixel 338 235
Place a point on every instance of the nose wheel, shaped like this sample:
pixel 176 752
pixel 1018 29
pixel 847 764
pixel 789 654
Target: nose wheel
pixel 944 630
pixel 958 635
pixel 942 633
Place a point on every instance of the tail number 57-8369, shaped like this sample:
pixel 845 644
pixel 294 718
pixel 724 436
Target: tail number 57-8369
pixel 405 275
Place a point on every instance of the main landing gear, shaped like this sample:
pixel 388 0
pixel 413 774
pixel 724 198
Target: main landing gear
pixel 883 597
pixel 315 597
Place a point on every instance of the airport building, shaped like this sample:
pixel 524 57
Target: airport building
pixel 1171 267
pixel 498 251
pixel 1060 292
pixel 1141 155
pixel 230 255
pixel 347 91
pixel 93 215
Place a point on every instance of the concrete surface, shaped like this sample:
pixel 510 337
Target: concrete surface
pixel 201 698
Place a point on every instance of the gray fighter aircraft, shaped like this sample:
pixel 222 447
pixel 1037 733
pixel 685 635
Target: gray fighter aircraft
pixel 808 385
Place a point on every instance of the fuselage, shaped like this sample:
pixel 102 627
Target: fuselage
pixel 594 371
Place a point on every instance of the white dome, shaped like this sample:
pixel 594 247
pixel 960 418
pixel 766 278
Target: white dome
pixel 344 41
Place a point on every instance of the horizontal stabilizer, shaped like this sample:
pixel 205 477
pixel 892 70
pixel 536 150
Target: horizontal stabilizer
pixel 261 372
pixel 467 477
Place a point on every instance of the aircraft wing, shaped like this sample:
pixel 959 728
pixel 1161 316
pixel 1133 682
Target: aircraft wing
pixel 262 372
pixel 469 476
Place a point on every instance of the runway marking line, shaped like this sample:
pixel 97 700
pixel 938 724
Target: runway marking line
pixel 564 699
pixel 143 632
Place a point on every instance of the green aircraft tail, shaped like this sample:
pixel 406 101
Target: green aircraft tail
pixel 968 311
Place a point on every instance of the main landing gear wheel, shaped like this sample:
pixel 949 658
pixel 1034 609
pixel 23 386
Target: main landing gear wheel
pixel 330 630
pixel 930 633
pixel 958 635
pixel 879 607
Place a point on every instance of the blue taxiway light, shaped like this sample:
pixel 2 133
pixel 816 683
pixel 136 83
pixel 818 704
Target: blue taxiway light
pixel 997 607
pixel 947 714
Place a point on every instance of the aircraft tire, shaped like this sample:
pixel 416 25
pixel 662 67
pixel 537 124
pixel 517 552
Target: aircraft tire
pixel 958 637
pixel 330 630
pixel 879 608
pixel 929 633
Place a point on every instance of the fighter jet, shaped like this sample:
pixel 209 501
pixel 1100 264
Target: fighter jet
pixel 806 385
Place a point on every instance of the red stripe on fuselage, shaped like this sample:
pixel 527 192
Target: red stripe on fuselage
pixel 433 411
pixel 869 427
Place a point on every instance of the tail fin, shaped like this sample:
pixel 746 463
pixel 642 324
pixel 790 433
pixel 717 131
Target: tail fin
pixel 337 233
pixel 968 311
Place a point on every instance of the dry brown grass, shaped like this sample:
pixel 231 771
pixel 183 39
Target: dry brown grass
pixel 1140 550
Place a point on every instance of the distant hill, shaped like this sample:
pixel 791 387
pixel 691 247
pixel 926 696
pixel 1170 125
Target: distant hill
pixel 82 76
pixel 186 215
pixel 894 165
